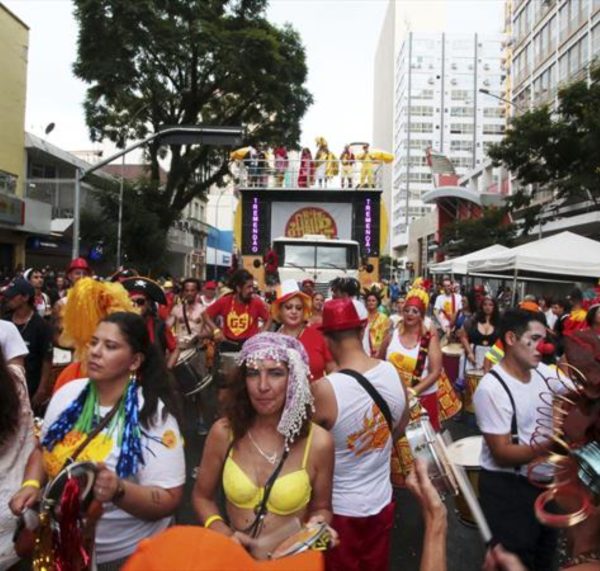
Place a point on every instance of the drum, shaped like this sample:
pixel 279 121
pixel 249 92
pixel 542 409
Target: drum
pixel 465 452
pixel 473 377
pixel 316 537
pixel 190 372
pixel 451 355
pixel 84 473
pixel 227 367
pixel 425 444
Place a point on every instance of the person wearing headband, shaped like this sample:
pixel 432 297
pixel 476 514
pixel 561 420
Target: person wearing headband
pixel 292 309
pixel 414 350
pixel 274 464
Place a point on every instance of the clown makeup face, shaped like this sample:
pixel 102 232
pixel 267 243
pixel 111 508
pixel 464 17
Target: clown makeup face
pixel 412 315
pixel 524 349
pixel 266 382
pixel 291 312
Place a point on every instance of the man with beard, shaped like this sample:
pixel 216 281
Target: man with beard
pixel 241 312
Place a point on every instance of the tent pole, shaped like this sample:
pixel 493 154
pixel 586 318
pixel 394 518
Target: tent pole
pixel 514 288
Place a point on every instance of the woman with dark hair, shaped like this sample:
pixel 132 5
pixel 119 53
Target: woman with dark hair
pixel 16 443
pixel 480 333
pixel 275 465
pixel 139 453
pixel 378 324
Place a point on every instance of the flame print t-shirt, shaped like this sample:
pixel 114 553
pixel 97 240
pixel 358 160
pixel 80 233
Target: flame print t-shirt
pixel 363 444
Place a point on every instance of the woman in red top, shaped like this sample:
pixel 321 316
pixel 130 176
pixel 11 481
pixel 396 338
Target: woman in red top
pixel 291 309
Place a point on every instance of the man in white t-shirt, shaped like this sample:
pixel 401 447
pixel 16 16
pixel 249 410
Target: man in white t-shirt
pixel 447 306
pixel 507 403
pixel 12 345
pixel 362 492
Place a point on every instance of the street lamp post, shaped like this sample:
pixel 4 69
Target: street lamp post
pixel 230 136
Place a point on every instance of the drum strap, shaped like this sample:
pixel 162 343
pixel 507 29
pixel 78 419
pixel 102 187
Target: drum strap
pixel 514 431
pixel 185 318
pixel 374 394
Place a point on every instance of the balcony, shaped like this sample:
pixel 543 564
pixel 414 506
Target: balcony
pixel 303 175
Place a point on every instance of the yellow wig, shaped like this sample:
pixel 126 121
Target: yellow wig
pixel 88 302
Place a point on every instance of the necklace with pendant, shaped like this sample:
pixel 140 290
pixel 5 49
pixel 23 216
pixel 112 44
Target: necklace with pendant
pixel 270 458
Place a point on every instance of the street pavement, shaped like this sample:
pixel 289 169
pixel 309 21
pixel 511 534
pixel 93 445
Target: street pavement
pixel 465 548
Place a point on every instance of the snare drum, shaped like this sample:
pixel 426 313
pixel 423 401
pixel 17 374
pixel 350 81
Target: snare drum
pixel 466 452
pixel 190 372
pixel 425 444
pixel 473 377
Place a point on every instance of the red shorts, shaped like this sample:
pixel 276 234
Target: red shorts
pixel 431 405
pixel 364 542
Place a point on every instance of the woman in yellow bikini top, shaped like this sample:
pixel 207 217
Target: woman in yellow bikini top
pixel 266 446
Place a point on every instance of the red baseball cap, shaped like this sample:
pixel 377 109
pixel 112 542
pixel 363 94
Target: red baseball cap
pixel 79 264
pixel 210 285
pixel 343 314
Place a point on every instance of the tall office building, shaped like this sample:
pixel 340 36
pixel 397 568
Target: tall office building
pixel 552 43
pixel 438 105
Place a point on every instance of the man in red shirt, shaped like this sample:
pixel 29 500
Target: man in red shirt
pixel 240 312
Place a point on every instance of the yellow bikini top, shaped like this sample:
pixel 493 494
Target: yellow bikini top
pixel 289 494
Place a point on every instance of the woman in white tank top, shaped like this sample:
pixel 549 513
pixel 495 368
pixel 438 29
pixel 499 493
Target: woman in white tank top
pixel 414 350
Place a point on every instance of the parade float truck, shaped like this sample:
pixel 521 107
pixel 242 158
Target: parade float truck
pixel 316 233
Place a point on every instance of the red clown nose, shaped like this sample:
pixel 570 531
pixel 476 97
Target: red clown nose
pixel 545 348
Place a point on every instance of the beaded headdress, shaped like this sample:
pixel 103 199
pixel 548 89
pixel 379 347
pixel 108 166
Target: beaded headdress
pixel 284 349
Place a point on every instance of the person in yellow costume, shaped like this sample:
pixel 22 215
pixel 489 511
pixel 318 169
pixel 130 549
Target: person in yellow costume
pixel 413 348
pixel 367 171
pixel 378 324
pixel 326 165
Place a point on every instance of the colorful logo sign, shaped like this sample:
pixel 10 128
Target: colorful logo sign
pixel 311 220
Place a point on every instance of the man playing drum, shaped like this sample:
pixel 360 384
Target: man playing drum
pixel 362 492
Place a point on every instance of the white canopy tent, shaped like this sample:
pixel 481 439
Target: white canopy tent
pixel 459 265
pixel 564 254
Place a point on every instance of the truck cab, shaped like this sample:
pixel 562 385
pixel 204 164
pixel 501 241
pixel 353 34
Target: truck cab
pixel 318 258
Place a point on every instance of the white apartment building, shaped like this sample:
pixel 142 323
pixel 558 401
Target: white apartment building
pixel 438 105
pixel 552 43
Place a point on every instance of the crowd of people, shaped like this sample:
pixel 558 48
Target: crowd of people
pixel 314 391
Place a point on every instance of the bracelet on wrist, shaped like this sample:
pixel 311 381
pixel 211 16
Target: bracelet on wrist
pixel 119 493
pixel 31 484
pixel 209 521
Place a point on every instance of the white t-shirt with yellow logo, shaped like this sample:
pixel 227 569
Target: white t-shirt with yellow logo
pixel 118 532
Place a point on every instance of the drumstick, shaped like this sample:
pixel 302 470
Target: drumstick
pixel 469 495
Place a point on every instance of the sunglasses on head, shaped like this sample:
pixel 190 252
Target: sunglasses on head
pixel 139 301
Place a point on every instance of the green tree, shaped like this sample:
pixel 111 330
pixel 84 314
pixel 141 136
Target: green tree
pixel 144 241
pixel 555 150
pixel 465 236
pixel 156 63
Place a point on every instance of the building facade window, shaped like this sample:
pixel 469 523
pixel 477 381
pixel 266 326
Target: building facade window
pixel 461 128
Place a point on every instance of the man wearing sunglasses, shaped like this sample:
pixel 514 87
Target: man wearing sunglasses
pixel 146 294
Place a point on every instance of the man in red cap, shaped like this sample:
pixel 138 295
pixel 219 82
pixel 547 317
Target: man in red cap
pixel 78 268
pixel 360 404
pixel 209 293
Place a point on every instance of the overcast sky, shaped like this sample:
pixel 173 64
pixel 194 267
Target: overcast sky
pixel 340 37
